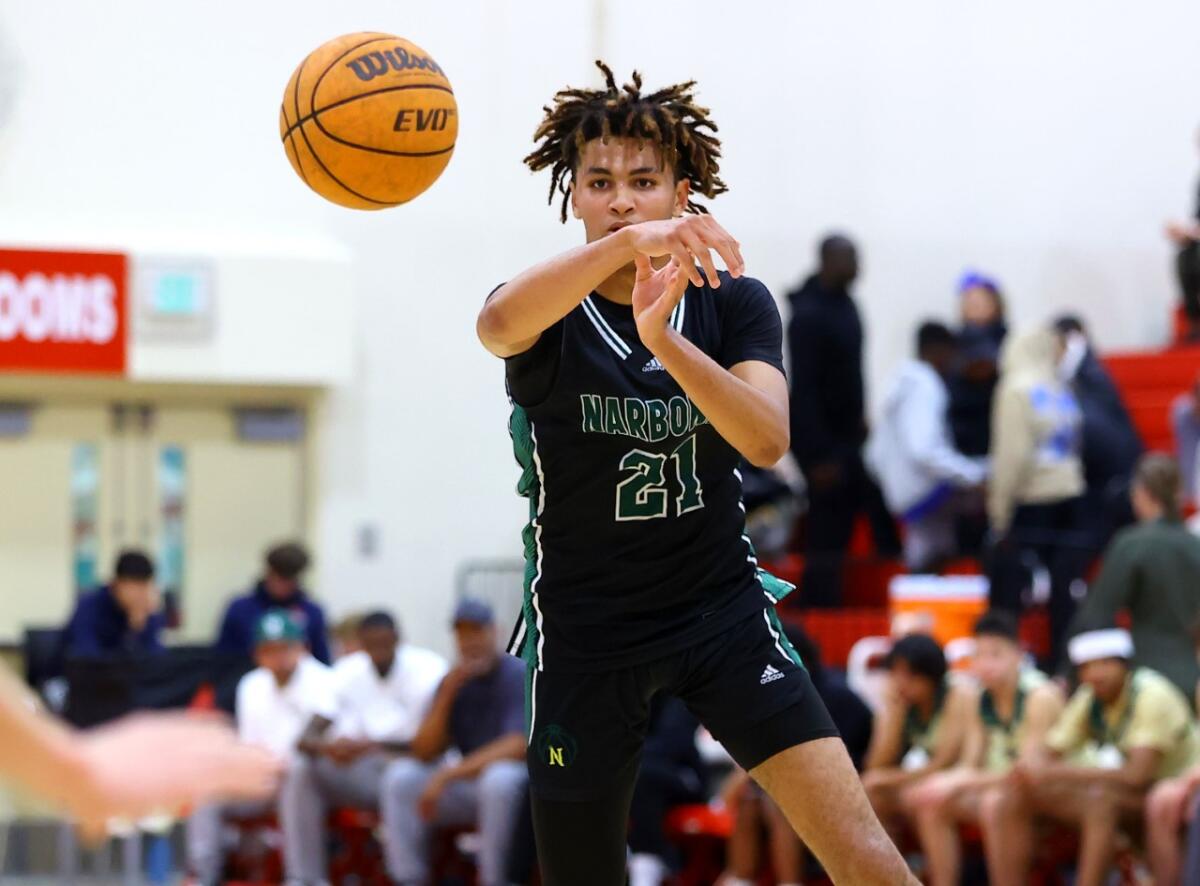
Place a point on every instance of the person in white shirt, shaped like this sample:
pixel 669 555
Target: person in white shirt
pixel 912 452
pixel 283 705
pixel 384 692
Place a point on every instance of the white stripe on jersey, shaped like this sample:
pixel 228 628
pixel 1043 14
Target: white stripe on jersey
pixel 606 332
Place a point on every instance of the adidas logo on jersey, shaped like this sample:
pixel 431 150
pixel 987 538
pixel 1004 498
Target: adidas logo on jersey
pixel 770 675
pixel 653 366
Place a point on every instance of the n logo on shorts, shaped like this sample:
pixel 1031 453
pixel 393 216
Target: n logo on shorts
pixel 557 746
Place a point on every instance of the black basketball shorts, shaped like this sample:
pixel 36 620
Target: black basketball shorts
pixel 746 686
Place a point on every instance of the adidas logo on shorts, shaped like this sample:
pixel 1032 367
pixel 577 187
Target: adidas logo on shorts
pixel 770 675
pixel 653 366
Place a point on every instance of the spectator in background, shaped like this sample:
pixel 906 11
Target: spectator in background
pixel 913 455
pixel 828 423
pixel 1036 483
pixel 283 705
pixel 1186 237
pixel 278 589
pixel 122 616
pixel 1153 571
pixel 344 635
pixel 479 711
pixel 921 728
pixel 671 774
pixel 1110 444
pixel 754 810
pixel 384 693
pixel 1017 708
pixel 981 311
pixel 973 383
pixel 1142 729
pixel 1185 420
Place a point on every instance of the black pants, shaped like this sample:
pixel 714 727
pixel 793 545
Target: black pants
pixel 1051 535
pixel 660 785
pixel 831 514
pixel 1187 268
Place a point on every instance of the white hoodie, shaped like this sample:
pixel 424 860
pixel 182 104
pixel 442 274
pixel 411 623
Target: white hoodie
pixel 911 452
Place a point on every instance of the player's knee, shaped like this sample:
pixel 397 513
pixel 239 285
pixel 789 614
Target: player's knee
pixel 405 778
pixel 994 805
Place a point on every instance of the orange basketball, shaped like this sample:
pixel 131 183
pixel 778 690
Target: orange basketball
pixel 368 120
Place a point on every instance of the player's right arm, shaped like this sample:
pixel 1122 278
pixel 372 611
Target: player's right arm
pixel 517 313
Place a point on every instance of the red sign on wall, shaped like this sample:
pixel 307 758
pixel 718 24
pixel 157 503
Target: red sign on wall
pixel 62 311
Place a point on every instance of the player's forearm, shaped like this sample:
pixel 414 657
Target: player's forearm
pixel 508 747
pixel 750 420
pixel 533 301
pixel 36 751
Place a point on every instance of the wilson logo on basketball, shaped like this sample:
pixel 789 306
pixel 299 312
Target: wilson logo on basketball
pixel 422 119
pixel 376 64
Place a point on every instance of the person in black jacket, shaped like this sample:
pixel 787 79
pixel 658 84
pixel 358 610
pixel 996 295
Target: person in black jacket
pixel 972 385
pixel 1111 446
pixel 828 424
pixel 1185 235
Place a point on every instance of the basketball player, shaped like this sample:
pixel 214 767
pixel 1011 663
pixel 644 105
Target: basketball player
pixel 142 764
pixel 639 375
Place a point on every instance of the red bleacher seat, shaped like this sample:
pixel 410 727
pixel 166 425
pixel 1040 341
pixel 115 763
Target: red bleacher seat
pixel 1148 382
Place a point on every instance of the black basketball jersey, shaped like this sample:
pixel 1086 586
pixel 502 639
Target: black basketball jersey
pixel 636 544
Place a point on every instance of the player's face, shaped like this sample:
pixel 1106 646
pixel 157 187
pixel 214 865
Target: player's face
pixel 380 644
pixel 979 307
pixel 622 183
pixel 280 658
pixel 912 688
pixel 476 643
pixel 1106 677
pixel 996 662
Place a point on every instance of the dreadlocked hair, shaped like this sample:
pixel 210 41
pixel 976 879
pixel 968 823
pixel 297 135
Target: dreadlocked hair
pixel 668 118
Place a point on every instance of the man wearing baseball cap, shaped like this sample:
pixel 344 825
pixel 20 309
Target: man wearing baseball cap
pixel 283 703
pixel 479 710
pixel 1124 729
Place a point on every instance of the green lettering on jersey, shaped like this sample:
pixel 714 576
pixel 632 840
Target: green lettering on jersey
pixel 593 413
pixel 679 416
pixel 659 424
pixel 614 418
pixel 635 417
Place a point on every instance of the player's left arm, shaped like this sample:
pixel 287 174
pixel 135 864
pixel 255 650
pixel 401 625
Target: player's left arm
pixel 747 403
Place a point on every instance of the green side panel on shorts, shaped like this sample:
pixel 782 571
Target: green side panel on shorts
pixel 773 616
pixel 529 486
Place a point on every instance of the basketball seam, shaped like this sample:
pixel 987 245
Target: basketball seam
pixel 289 141
pixel 308 144
pixel 312 115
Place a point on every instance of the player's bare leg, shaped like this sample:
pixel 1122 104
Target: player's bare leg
pixel 816 787
pixel 939 804
pixel 1166 806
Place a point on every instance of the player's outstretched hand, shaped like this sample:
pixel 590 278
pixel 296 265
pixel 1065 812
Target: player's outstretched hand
pixel 655 295
pixel 164 763
pixel 688 240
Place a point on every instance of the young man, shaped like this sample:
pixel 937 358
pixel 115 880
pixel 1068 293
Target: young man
pixel 279 589
pixel 282 705
pixel 921 728
pixel 478 712
pixel 123 616
pixel 1142 729
pixel 912 453
pixel 638 379
pixel 1016 709
pixel 384 692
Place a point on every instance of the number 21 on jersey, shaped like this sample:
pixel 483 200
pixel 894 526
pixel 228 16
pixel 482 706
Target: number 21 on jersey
pixel 643 495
